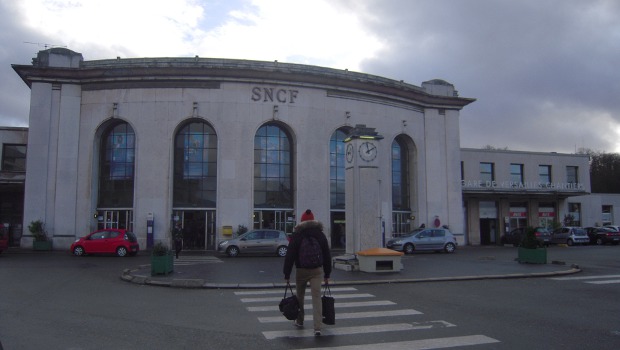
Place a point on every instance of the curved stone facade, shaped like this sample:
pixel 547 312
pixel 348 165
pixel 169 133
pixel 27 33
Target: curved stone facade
pixel 75 104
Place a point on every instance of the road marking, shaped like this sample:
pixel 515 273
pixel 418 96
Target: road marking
pixel 350 315
pixel 195 260
pixel 300 333
pixel 435 343
pixel 603 282
pixel 584 277
pixel 337 305
pixel 336 296
pixel 277 291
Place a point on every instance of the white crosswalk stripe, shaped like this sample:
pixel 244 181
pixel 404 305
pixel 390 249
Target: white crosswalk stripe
pixel 295 333
pixel 348 313
pixel 436 343
pixel 601 279
pixel 186 260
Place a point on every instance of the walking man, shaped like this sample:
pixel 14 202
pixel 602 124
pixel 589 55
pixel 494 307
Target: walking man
pixel 309 251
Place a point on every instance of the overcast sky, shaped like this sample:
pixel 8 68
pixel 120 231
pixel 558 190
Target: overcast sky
pixel 545 73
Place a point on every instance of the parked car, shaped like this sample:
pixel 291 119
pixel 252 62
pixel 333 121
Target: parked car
pixel 434 239
pixel 4 240
pixel 515 236
pixel 108 241
pixel 261 241
pixel 602 235
pixel 570 236
pixel 613 227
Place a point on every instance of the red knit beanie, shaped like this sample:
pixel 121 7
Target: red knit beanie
pixel 307 215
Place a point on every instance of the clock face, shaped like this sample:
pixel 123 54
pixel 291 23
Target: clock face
pixel 349 153
pixel 368 151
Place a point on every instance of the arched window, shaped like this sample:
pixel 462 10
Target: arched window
pixel 273 186
pixel 195 166
pixel 116 171
pixel 401 202
pixel 336 169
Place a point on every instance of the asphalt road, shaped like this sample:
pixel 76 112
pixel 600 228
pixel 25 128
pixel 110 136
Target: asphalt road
pixel 56 301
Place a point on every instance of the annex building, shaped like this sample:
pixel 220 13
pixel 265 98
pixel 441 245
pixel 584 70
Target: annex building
pixel 214 144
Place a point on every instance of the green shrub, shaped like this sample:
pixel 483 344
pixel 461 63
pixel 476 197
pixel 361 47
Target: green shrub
pixel 37 228
pixel 160 249
pixel 530 241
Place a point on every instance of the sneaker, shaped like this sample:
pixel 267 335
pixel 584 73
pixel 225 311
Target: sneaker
pixel 299 325
pixel 317 333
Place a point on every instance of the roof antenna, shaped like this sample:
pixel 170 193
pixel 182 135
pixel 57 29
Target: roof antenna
pixel 45 45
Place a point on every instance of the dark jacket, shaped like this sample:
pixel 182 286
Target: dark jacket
pixel 311 228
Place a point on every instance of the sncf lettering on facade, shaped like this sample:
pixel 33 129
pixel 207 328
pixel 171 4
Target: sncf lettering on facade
pixel 269 94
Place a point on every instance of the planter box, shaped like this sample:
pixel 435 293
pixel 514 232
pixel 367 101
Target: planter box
pixel 41 245
pixel 162 265
pixel 532 256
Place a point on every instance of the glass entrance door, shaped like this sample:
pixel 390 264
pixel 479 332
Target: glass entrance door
pixel 107 218
pixel 198 229
pixel 274 219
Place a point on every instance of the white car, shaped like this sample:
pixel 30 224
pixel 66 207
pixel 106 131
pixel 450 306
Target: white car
pixel 570 236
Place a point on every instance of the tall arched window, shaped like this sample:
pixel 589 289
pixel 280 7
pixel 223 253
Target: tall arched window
pixel 116 171
pixel 195 166
pixel 336 169
pixel 273 182
pixel 401 204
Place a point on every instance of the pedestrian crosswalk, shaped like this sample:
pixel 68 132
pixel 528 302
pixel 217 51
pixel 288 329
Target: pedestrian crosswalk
pixel 601 279
pixel 354 311
pixel 186 260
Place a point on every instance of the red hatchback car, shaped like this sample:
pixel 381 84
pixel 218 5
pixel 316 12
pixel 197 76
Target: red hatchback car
pixel 108 241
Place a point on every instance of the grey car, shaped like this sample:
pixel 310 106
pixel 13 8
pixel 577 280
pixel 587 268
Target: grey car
pixel 260 241
pixel 570 236
pixel 433 239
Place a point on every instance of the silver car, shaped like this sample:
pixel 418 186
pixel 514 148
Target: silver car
pixel 261 241
pixel 570 236
pixel 435 239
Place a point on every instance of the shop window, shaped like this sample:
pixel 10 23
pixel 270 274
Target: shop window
pixel 13 158
pixel 573 218
pixel 401 186
pixel 572 175
pixel 606 217
pixel 117 157
pixel 336 169
pixel 516 174
pixel 544 174
pixel 195 166
pixel 487 173
pixel 273 184
pixel 400 175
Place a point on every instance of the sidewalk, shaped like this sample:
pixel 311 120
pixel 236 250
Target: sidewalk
pixel 213 270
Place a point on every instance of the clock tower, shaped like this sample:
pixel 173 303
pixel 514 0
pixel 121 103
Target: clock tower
pixel 363 205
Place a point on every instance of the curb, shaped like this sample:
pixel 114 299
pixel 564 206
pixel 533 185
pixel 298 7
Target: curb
pixel 127 276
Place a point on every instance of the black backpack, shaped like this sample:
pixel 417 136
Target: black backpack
pixel 310 254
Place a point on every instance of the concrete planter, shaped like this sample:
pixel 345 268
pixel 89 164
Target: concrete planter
pixel 532 256
pixel 162 264
pixel 41 245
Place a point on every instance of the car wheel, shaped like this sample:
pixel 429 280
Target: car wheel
pixel 78 251
pixel 408 248
pixel 232 251
pixel 450 248
pixel 570 242
pixel 282 251
pixel 121 251
pixel 599 241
